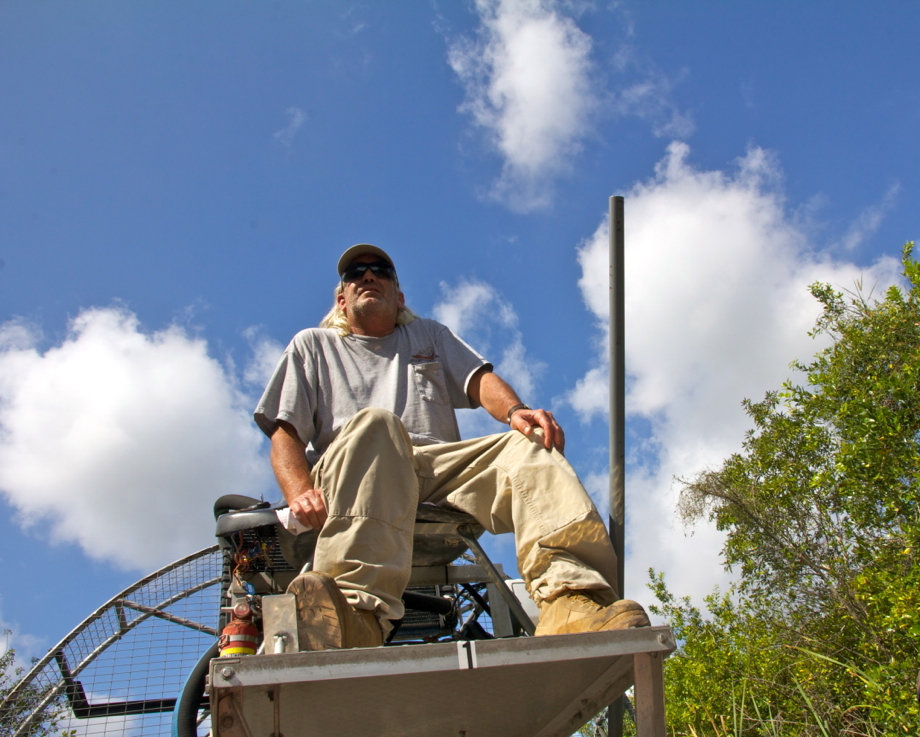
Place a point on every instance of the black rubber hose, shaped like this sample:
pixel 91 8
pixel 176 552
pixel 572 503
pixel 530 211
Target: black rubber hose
pixel 427 603
pixel 185 717
pixel 230 502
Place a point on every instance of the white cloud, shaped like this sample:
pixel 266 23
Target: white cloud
pixel 266 353
pixel 643 90
pixel 527 82
pixel 119 440
pixel 476 312
pixel 26 646
pixel 870 218
pixel 463 305
pixel 519 370
pixel 532 86
pixel 716 308
pixel 591 394
pixel 285 136
pixel 650 100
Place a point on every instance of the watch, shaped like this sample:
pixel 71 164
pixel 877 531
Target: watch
pixel 514 409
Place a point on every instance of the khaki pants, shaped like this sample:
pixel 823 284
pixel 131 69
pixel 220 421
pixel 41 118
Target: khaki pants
pixel 373 479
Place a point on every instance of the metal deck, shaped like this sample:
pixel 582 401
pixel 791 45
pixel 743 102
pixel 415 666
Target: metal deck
pixel 516 687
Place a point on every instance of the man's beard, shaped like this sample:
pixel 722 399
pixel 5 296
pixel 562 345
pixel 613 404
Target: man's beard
pixel 373 307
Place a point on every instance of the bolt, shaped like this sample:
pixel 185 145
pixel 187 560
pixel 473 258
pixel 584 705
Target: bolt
pixel 663 639
pixel 227 673
pixel 226 722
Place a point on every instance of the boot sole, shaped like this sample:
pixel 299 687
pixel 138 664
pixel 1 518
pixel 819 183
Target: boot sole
pixel 624 621
pixel 320 612
pixel 621 615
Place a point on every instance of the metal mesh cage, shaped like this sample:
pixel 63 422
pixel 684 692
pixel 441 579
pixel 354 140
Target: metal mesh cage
pixel 119 672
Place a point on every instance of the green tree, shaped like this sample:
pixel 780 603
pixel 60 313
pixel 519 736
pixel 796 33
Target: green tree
pixel 12 713
pixel 821 510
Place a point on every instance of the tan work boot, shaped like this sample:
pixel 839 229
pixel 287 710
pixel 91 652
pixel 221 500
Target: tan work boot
pixel 576 612
pixel 325 619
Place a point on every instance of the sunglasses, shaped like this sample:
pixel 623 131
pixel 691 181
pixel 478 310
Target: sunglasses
pixel 378 268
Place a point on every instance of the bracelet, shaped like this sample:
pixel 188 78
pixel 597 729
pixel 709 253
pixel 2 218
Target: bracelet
pixel 514 409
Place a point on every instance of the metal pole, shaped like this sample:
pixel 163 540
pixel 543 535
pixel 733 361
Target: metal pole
pixel 617 389
pixel 617 420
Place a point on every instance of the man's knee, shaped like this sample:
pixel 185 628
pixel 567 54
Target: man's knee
pixel 373 426
pixel 531 444
pixel 374 418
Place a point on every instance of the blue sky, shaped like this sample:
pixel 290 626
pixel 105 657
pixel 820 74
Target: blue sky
pixel 177 180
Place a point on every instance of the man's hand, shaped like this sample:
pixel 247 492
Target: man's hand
pixel 525 420
pixel 310 508
pixel 494 393
pixel 293 473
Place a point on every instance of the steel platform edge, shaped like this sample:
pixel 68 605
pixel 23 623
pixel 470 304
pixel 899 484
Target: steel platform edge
pixel 516 687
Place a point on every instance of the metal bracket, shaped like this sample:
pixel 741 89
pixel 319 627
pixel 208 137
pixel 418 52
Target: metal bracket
pixel 517 610
pixel 279 619
pixel 230 722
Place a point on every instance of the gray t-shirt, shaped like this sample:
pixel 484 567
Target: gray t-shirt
pixel 420 372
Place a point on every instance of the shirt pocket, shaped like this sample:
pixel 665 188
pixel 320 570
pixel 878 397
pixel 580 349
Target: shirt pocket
pixel 430 382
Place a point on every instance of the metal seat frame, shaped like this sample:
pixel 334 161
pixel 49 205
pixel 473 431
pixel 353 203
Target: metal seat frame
pixel 441 537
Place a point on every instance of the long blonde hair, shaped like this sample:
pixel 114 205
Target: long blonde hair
pixel 336 319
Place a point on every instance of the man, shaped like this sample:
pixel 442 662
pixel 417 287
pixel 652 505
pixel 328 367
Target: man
pixel 360 413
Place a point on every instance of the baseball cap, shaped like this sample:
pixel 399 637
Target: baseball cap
pixel 362 249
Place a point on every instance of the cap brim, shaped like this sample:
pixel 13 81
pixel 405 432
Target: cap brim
pixel 362 249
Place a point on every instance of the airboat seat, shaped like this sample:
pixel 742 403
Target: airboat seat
pixel 438 539
pixel 270 557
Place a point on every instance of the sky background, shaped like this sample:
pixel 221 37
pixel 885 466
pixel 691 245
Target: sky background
pixel 177 180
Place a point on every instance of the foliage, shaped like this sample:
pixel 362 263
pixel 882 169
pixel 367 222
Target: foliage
pixel 821 634
pixel 12 714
